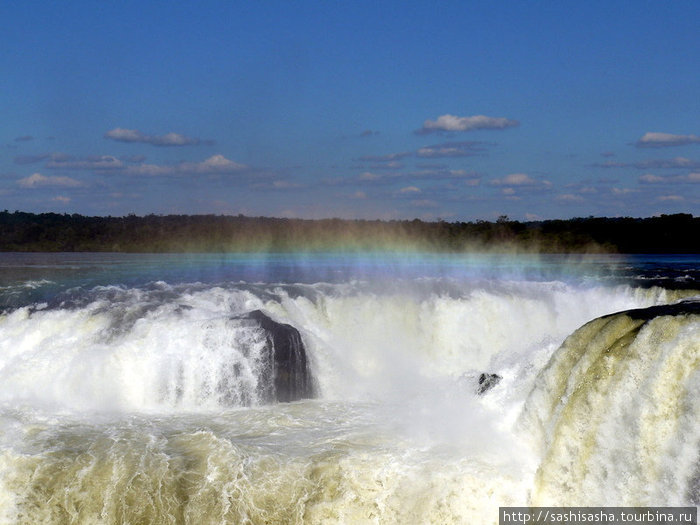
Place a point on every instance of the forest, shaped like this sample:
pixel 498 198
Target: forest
pixel 53 232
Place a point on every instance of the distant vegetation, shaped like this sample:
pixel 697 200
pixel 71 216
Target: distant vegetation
pixel 52 232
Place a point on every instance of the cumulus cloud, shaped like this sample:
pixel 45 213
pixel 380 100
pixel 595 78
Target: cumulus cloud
pixel 451 149
pixel 34 159
pixel 410 190
pixel 135 165
pixel 675 163
pixel 37 180
pixel 588 189
pixel 393 165
pixel 386 158
pixel 31 159
pixel 169 139
pixel 137 159
pixel 522 182
pixel 510 194
pixel 284 184
pixel 651 179
pixel 278 185
pixel 97 163
pixel 382 178
pixel 62 199
pixel 569 197
pixel 424 203
pixel 452 123
pixel 518 179
pixel 692 178
pixel 216 164
pixel 676 198
pixel 665 140
pixel 443 173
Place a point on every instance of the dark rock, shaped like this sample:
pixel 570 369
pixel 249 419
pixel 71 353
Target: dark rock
pixel 687 307
pixel 487 382
pixel 288 378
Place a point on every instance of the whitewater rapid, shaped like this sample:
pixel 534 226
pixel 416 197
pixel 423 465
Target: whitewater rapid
pixel 139 404
pixel 165 347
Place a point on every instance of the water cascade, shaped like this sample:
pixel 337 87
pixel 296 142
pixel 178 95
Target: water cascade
pixel 432 396
pixel 615 412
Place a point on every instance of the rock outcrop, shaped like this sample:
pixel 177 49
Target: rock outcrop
pixel 289 377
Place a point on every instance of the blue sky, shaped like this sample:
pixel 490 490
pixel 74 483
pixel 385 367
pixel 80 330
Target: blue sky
pixel 386 110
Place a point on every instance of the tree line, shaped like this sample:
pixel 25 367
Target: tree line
pixel 53 232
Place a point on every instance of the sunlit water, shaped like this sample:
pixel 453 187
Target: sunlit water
pixel 127 387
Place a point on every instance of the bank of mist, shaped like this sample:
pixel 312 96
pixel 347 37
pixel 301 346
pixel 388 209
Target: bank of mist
pixel 49 232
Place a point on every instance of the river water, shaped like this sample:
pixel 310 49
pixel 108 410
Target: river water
pixel 128 387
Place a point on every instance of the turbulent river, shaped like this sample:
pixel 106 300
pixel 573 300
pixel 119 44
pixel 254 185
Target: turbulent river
pixel 145 388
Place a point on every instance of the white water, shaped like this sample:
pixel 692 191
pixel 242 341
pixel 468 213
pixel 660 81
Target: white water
pixel 124 407
pixel 615 415
pixel 166 349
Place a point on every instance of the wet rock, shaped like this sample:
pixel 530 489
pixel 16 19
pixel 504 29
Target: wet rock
pixel 289 377
pixel 487 382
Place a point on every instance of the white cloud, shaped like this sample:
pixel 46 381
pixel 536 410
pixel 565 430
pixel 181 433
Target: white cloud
pixel 62 199
pixel 37 180
pixel 284 184
pixel 31 159
pixel 216 164
pixel 454 123
pixel 651 179
pixel 134 135
pixel 517 179
pixel 676 198
pixel 385 158
pixel 675 163
pixel 393 165
pixel 447 174
pixel 277 185
pixel 664 140
pixel 424 203
pixel 151 170
pixel 692 178
pixel 569 197
pixel 410 189
pixel 523 182
pixel 99 162
pixel 622 191
pixel 451 149
pixel 588 189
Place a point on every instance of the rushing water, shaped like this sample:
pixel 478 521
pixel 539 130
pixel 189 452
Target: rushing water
pixel 129 387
